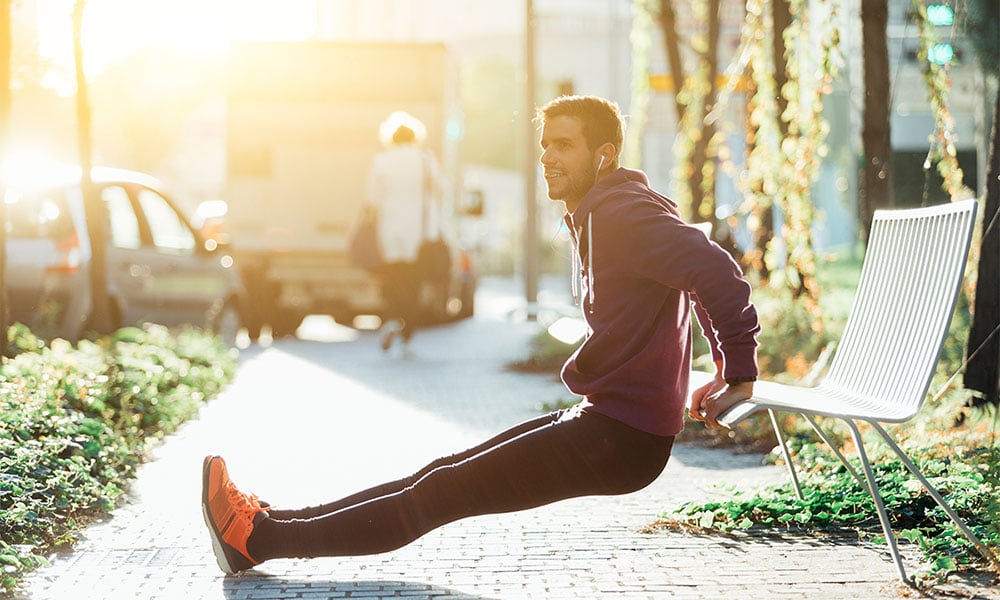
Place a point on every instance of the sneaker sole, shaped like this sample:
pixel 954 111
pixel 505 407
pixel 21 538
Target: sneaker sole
pixel 217 543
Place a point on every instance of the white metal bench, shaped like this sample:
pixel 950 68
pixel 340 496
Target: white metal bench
pixel 881 372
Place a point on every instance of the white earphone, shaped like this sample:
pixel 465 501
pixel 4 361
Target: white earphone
pixel 597 173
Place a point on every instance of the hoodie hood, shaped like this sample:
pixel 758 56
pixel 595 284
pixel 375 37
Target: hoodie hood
pixel 619 183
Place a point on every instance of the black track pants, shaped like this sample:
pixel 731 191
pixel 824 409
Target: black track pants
pixel 562 455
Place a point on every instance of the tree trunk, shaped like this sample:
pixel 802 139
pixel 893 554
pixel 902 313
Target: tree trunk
pixel 668 21
pixel 702 191
pixel 982 373
pixel 5 110
pixel 100 320
pixel 876 187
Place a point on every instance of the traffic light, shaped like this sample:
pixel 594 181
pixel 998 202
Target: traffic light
pixel 940 15
pixel 941 54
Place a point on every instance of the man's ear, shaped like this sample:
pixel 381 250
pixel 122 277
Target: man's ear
pixel 606 156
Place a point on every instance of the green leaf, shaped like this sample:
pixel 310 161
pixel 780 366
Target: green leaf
pixel 707 519
pixel 911 535
pixel 945 563
pixel 10 559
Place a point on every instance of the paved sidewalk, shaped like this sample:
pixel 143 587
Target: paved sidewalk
pixel 307 421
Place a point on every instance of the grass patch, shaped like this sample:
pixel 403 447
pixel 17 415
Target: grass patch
pixel 965 472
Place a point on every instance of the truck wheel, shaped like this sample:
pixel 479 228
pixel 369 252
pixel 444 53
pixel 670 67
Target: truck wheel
pixel 253 330
pixel 285 324
pixel 256 303
pixel 345 318
pixel 433 308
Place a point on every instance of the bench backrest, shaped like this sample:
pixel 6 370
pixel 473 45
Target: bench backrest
pixel 910 279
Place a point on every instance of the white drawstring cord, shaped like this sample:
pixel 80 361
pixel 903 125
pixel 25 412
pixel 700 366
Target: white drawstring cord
pixel 577 264
pixel 574 258
pixel 590 261
pixel 575 278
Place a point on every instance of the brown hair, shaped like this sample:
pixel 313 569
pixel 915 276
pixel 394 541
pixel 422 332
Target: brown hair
pixel 602 121
pixel 403 135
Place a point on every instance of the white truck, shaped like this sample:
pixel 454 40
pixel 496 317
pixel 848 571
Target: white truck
pixel 302 128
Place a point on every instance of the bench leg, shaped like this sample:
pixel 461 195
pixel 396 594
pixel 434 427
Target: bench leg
pixel 883 516
pixel 959 522
pixel 788 457
pixel 840 455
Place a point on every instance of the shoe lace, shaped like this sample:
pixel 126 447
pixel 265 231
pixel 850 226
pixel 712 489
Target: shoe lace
pixel 247 505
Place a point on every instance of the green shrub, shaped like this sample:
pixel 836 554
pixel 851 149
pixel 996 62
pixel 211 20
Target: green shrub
pixel 968 478
pixel 77 421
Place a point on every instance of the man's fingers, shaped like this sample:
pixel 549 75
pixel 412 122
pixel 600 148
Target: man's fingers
pixel 719 404
pixel 700 397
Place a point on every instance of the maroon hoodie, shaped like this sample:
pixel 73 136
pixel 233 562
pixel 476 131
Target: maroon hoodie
pixel 642 267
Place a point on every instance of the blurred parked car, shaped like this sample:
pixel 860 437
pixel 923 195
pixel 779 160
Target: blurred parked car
pixel 160 269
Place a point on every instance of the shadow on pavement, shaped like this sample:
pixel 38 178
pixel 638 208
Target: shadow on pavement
pixel 279 588
pixel 968 584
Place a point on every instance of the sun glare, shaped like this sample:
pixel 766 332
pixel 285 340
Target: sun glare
pixel 30 168
pixel 114 29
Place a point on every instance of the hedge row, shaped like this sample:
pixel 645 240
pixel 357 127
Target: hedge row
pixel 76 421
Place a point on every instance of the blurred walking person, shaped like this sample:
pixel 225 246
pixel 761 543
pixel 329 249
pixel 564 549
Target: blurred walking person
pixel 403 192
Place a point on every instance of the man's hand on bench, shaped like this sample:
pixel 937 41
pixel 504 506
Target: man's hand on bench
pixel 715 398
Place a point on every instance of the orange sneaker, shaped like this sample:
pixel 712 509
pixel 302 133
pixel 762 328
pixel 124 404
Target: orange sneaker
pixel 230 516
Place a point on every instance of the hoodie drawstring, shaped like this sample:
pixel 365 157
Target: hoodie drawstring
pixel 591 293
pixel 574 259
pixel 577 262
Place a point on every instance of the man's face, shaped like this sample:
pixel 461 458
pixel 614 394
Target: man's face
pixel 567 163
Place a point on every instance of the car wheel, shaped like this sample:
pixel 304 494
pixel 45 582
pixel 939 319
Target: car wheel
pixel 227 324
pixel 468 298
pixel 113 321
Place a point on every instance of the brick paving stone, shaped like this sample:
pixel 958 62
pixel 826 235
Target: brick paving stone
pixel 307 421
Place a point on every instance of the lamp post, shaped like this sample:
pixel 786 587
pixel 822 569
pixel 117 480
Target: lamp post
pixel 530 166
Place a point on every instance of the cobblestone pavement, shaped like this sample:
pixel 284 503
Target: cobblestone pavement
pixel 315 418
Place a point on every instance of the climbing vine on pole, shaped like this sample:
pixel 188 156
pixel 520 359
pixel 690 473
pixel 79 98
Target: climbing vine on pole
pixel 942 153
pixel 785 150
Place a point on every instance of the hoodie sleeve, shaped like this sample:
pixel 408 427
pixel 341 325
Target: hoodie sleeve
pixel 707 329
pixel 675 254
